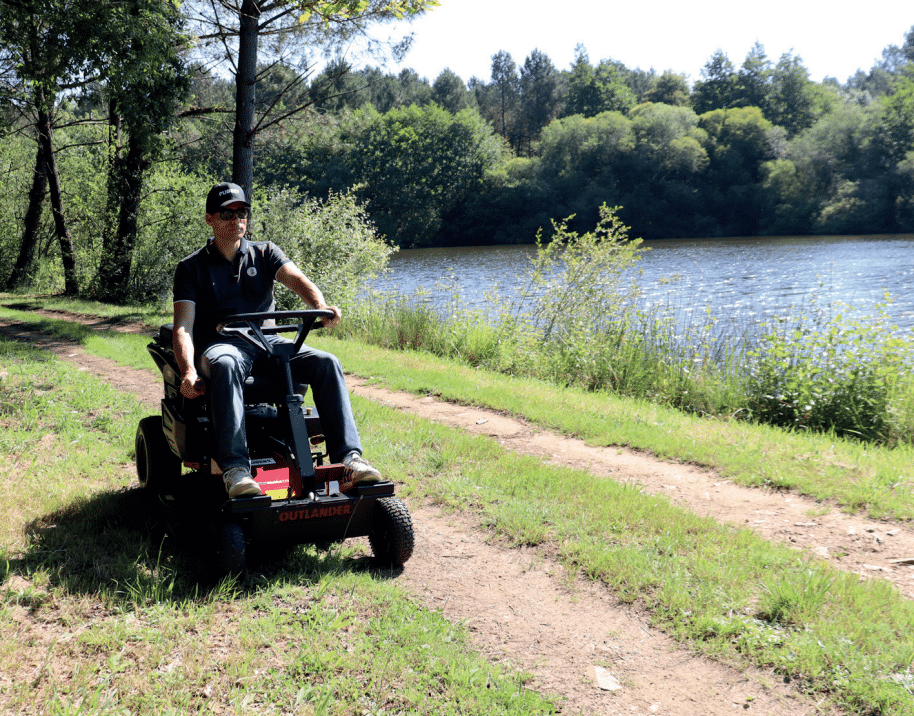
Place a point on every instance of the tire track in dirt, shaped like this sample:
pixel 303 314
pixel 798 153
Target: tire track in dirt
pixel 521 609
pixel 869 548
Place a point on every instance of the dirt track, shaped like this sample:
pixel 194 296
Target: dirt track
pixel 576 639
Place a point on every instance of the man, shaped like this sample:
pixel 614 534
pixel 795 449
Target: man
pixel 230 275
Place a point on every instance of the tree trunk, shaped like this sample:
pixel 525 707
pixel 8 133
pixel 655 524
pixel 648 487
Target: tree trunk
pixel 60 223
pixel 117 258
pixel 245 80
pixel 109 230
pixel 31 223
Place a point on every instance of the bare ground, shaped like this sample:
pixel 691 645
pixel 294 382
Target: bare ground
pixel 573 635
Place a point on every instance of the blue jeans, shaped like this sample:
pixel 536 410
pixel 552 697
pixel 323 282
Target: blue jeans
pixel 226 364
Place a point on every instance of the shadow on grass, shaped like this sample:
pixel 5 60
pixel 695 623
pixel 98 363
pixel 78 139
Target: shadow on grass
pixel 23 306
pixel 115 546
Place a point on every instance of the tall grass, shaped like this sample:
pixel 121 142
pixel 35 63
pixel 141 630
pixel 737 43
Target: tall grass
pixel 577 321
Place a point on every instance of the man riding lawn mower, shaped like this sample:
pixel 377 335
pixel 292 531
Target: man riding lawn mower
pixel 242 417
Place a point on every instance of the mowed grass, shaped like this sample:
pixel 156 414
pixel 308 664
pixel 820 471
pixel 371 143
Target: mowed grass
pixel 102 614
pixel 719 589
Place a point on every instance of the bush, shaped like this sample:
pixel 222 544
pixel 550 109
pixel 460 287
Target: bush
pixel 833 370
pixel 331 241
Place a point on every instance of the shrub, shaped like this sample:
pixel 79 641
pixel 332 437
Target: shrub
pixel 332 242
pixel 832 370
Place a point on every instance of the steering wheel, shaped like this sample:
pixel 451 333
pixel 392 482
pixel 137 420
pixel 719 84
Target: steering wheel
pixel 248 326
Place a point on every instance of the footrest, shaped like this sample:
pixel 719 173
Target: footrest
pixel 246 504
pixel 377 490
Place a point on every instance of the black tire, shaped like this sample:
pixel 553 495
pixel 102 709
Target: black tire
pixel 231 551
pixel 157 468
pixel 391 535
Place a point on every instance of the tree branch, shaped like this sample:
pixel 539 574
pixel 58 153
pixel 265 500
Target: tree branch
pixel 198 111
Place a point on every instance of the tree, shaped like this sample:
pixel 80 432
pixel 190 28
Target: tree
pixel 506 93
pixel 754 79
pixel 583 161
pixel 334 89
pixel 238 28
pixel 145 80
pixel 592 90
pixel 718 87
pixel 639 81
pixel 737 145
pixel 540 95
pixel 897 119
pixel 667 167
pixel 583 93
pixel 449 92
pixel 669 88
pixel 417 165
pixel 50 42
pixel 790 99
pixel 615 94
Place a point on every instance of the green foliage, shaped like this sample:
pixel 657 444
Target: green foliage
pixel 832 370
pixel 17 161
pixel 578 282
pixel 670 88
pixel 450 93
pixel 719 85
pixel 418 164
pixel 331 241
pixel 790 99
pixel 737 144
pixel 592 90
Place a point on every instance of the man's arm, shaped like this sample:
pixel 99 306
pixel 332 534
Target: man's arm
pixel 290 276
pixel 192 385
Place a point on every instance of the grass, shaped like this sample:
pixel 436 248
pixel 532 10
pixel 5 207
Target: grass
pixel 720 590
pixel 859 477
pixel 101 614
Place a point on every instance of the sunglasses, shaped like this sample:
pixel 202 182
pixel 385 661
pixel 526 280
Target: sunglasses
pixel 229 214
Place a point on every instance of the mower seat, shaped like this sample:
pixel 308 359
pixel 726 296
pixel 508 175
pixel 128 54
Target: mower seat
pixel 260 388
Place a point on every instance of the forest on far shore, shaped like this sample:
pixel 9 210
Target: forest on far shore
pixel 750 149
pixel 108 149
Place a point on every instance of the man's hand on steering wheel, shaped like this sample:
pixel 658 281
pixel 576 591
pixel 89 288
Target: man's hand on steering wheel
pixel 192 386
pixel 337 316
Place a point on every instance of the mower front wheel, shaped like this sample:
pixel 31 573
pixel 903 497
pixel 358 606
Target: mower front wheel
pixel 391 537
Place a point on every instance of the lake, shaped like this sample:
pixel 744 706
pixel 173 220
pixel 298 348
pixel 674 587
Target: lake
pixel 743 279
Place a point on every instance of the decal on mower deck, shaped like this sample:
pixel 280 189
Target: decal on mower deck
pixel 315 513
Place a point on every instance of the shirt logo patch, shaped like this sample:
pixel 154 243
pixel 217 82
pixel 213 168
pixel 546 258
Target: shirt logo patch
pixel 252 271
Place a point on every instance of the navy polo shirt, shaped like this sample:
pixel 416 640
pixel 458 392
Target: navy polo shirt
pixel 220 288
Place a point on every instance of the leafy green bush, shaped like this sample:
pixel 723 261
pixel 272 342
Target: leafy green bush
pixel 331 241
pixel 833 370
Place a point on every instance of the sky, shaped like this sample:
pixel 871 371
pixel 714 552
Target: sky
pixel 833 39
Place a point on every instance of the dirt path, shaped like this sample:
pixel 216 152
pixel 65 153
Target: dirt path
pixel 852 543
pixel 571 634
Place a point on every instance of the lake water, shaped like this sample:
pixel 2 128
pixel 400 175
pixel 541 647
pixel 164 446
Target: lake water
pixel 740 279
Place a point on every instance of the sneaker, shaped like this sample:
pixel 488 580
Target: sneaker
pixel 239 483
pixel 359 471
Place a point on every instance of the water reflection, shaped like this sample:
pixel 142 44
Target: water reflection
pixel 741 280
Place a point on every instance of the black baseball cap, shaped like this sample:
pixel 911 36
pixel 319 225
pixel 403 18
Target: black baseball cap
pixel 221 195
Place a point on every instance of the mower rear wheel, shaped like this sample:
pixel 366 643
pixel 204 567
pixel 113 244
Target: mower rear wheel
pixel 231 551
pixel 157 468
pixel 391 537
